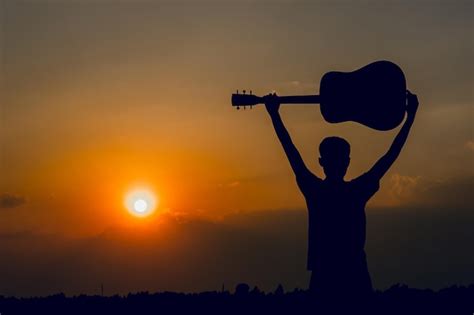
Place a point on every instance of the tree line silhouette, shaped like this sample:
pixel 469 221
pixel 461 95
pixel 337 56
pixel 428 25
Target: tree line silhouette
pixel 399 299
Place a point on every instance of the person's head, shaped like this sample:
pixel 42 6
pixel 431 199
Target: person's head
pixel 334 157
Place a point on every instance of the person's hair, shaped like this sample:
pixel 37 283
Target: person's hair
pixel 334 146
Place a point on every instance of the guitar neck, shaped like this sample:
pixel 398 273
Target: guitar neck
pixel 250 100
pixel 300 99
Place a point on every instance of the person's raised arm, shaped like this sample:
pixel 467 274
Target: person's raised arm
pixel 386 161
pixel 302 173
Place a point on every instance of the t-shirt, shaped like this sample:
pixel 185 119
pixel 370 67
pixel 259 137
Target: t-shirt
pixel 336 219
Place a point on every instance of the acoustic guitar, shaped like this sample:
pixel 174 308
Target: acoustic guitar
pixel 374 95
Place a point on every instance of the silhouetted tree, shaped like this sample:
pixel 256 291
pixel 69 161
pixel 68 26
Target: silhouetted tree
pixel 279 290
pixel 242 289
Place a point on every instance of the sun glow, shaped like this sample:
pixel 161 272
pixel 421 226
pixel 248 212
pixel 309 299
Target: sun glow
pixel 141 202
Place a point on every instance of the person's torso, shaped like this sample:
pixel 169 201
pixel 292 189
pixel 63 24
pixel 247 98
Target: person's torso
pixel 337 223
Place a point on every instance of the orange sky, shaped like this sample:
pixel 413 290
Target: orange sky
pixel 99 97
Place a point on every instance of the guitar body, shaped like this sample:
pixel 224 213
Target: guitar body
pixel 374 96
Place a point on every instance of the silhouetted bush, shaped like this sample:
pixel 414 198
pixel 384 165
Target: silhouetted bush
pixel 242 289
pixel 399 299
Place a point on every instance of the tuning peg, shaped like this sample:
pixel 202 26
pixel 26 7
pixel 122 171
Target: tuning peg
pixel 238 107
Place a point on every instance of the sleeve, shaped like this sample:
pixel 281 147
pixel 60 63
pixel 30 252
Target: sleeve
pixel 308 184
pixel 367 185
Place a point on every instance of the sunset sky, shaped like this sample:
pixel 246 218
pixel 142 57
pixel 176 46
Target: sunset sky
pixel 99 98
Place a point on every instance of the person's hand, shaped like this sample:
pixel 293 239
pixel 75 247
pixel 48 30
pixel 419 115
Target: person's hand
pixel 412 104
pixel 272 103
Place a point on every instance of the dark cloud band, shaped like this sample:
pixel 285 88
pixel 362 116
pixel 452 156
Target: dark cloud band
pixel 11 201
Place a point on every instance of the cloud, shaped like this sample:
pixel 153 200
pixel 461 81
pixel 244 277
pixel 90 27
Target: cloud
pixel 469 145
pixel 298 85
pixel 191 255
pixel 455 192
pixel 403 187
pixel 231 184
pixel 262 248
pixel 11 201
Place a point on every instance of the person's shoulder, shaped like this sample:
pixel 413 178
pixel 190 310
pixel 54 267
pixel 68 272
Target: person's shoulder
pixel 309 178
pixel 316 181
pixel 367 176
pixel 310 184
pixel 366 182
pixel 316 178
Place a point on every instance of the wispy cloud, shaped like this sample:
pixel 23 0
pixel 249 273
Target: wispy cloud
pixel 8 200
pixel 231 184
pixel 299 85
pixel 403 187
pixel 469 145
pixel 419 191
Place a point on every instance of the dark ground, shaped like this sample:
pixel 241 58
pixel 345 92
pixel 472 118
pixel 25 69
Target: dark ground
pixel 398 299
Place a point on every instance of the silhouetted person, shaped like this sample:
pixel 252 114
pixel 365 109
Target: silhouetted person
pixel 336 208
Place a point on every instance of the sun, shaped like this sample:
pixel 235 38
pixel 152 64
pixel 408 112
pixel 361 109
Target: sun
pixel 141 202
pixel 140 206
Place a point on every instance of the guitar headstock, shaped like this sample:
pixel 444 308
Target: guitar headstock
pixel 245 99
